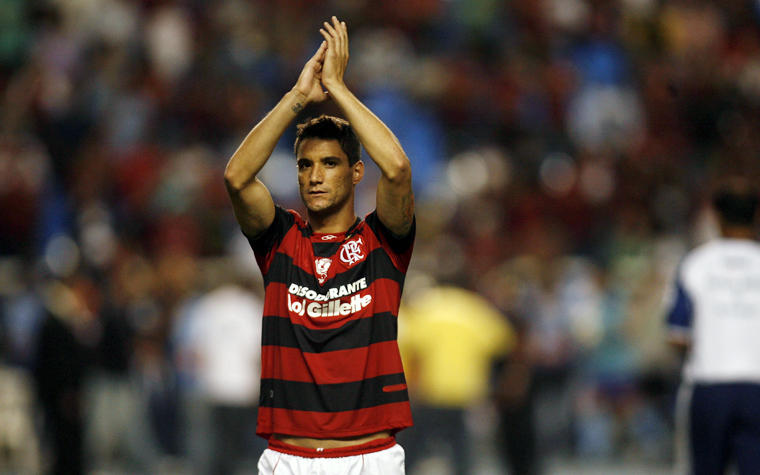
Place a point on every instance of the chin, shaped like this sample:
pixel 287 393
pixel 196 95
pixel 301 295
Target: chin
pixel 321 208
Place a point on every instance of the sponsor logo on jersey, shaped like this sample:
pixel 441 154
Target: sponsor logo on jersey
pixel 352 251
pixel 329 304
pixel 333 308
pixel 322 265
pixel 329 237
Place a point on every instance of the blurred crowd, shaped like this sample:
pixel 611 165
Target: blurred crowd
pixel 562 152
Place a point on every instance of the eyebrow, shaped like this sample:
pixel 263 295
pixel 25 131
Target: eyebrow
pixel 329 157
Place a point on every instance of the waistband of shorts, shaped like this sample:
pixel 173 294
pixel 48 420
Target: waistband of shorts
pixel 369 447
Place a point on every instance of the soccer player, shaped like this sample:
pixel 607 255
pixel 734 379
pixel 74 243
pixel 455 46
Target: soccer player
pixel 333 391
pixel 715 319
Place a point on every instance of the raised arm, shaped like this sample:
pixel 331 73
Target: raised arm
pixel 395 199
pixel 251 201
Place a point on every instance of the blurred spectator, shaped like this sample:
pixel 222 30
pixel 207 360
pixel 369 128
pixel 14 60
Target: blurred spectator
pixel 118 436
pixel 21 313
pixel 160 342
pixel 24 179
pixel 514 396
pixel 19 446
pixel 449 338
pixel 713 316
pixel 225 346
pixel 66 339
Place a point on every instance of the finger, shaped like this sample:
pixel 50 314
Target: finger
pixel 345 37
pixel 332 39
pixel 329 28
pixel 320 56
pixel 340 28
pixel 317 57
pixel 336 31
pixel 329 40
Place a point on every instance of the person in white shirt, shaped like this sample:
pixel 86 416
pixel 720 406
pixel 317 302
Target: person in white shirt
pixel 227 353
pixel 715 320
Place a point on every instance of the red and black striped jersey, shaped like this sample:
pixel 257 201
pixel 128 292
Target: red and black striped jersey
pixel 330 362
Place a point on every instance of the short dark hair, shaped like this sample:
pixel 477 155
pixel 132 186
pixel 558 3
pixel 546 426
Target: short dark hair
pixel 736 201
pixel 331 128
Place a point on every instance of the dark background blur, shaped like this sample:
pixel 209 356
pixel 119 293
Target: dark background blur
pixel 562 150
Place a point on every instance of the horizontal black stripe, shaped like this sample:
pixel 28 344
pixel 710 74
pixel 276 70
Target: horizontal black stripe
pixel 377 265
pixel 300 396
pixel 359 333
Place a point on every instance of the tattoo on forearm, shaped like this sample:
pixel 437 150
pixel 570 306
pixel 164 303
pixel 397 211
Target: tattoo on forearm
pixel 408 208
pixel 297 108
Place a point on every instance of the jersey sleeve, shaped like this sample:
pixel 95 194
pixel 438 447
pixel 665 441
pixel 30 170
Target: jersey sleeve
pixel 680 313
pixel 265 244
pixel 399 248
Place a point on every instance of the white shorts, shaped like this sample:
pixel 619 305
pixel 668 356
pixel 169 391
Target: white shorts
pixel 388 461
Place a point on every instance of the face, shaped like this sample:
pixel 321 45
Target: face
pixel 325 180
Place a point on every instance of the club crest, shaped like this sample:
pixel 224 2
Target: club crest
pixel 352 252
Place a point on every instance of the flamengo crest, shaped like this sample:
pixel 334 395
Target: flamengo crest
pixel 322 265
pixel 352 252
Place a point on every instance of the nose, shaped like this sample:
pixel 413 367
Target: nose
pixel 316 175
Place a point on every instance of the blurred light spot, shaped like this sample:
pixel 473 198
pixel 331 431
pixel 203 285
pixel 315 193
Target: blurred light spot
pixel 571 15
pixel 468 173
pixel 558 173
pixel 597 183
pixel 602 117
pixel 499 168
pixel 62 256
pixel 119 22
pixel 98 244
pixel 169 40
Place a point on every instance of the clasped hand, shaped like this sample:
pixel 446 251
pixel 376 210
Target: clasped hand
pixel 328 65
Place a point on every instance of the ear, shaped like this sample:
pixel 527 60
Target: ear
pixel 358 172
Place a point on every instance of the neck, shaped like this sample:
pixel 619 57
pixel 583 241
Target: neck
pixel 336 222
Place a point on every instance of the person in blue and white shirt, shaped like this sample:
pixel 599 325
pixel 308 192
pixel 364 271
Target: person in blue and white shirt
pixel 715 320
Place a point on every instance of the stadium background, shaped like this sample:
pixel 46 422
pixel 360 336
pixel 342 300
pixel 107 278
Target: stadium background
pixel 563 152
